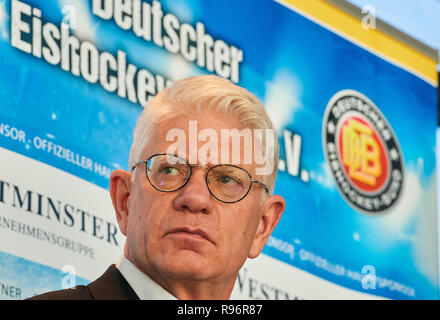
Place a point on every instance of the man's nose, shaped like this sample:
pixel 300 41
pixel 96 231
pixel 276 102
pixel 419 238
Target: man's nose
pixel 195 196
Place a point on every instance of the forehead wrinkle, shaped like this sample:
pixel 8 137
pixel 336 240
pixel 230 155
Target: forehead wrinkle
pixel 158 143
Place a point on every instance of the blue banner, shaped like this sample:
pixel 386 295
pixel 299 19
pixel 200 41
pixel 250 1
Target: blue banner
pixel 357 132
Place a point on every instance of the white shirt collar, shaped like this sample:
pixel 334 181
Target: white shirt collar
pixel 143 285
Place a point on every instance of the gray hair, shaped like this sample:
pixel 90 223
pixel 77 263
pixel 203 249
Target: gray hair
pixel 200 95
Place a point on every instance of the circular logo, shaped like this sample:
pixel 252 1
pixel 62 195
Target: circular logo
pixel 362 152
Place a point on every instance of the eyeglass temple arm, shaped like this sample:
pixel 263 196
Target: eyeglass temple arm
pixel 261 184
pixel 137 163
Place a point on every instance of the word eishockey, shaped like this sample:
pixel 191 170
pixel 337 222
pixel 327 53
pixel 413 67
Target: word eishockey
pixel 55 44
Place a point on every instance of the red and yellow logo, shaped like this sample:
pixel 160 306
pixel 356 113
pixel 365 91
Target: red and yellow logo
pixel 363 154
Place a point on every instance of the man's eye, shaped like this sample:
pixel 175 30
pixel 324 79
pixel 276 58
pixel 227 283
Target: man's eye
pixel 227 180
pixel 171 171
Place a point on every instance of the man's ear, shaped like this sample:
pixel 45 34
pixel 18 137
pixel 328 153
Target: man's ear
pixel 120 186
pixel 271 213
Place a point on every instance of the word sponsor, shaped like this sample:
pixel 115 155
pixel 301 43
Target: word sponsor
pixel 12 132
pixel 225 309
pixel 363 153
pixel 367 278
pixel 292 148
pixel 56 150
pixel 371 281
pixel 55 210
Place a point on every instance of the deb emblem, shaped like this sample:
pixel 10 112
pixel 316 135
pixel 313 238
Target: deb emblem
pixel 362 152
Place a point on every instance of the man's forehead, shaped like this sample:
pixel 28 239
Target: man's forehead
pixel 209 140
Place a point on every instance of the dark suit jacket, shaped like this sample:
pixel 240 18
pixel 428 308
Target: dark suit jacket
pixel 110 286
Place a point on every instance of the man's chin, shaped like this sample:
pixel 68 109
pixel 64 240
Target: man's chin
pixel 188 264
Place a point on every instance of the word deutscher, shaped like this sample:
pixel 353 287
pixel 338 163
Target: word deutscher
pixel 149 22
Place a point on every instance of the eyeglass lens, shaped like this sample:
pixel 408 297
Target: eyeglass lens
pixel 227 183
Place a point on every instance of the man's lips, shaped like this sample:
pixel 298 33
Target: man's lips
pixel 194 232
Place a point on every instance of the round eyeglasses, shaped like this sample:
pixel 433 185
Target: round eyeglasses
pixel 226 182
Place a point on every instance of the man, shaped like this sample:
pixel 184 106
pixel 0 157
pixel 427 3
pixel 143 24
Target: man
pixel 197 202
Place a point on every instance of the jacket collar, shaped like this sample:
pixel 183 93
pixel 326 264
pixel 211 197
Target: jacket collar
pixel 111 286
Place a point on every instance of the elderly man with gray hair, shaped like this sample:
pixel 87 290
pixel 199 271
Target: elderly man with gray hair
pixel 196 203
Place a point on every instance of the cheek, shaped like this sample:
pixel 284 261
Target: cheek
pixel 239 231
pixel 145 218
pixel 136 237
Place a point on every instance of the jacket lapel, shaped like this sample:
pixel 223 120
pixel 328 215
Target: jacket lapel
pixel 111 286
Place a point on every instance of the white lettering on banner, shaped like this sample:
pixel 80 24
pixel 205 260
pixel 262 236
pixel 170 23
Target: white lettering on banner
pixel 71 156
pixel 18 135
pixel 194 44
pixel 18 26
pixel 368 279
pixel 12 133
pixel 61 152
pixel 282 246
pixel 58 47
pixel 292 147
pixel 321 263
pixel 254 278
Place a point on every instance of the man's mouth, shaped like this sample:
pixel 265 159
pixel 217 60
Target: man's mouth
pixel 195 233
